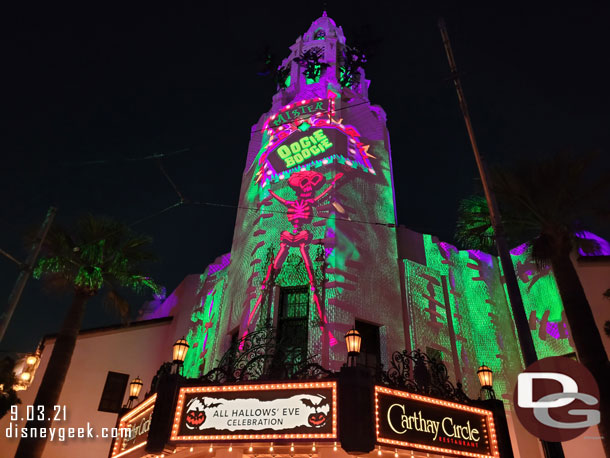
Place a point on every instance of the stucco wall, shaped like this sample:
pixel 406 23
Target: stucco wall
pixel 137 351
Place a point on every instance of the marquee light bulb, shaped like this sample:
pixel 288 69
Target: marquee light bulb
pixel 231 448
pixel 211 449
pixel 395 453
pixel 379 451
pixel 250 448
pixel 191 449
pixel 335 447
pixel 292 447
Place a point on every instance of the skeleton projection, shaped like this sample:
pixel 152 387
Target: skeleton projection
pixel 300 212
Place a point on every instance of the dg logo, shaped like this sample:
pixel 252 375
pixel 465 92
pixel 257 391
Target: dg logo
pixel 556 399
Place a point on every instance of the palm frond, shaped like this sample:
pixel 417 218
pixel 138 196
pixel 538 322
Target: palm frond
pixel 547 202
pixel 113 300
pixel 97 253
pixel 474 228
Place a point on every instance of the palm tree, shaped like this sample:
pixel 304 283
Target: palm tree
pixel 99 255
pixel 548 203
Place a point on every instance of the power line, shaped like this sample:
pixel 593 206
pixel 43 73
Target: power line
pixel 157 156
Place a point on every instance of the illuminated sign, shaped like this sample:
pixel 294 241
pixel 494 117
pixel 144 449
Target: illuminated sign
pixel 301 110
pixel 138 421
pixel 306 135
pixel 256 412
pixel 434 425
pixel 303 147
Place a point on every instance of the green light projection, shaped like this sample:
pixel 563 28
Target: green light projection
pixel 203 333
pixel 481 329
pixel 543 307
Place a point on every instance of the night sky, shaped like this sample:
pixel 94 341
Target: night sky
pixel 89 89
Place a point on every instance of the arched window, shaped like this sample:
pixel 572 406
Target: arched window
pixel 319 34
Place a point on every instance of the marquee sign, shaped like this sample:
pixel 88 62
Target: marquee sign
pixel 306 135
pixel 138 421
pixel 302 110
pixel 418 422
pixel 305 146
pixel 256 412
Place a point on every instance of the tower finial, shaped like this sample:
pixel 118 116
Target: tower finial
pixel 324 14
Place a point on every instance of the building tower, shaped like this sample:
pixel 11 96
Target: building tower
pixel 314 246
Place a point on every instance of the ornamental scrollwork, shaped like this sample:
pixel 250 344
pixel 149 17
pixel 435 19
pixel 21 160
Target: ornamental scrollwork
pixel 261 356
pixel 416 372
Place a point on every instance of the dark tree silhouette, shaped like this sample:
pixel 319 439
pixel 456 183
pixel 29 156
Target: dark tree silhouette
pixel 98 255
pixel 548 203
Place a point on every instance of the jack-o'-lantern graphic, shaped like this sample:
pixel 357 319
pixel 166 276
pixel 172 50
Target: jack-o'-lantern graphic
pixel 195 412
pixel 316 419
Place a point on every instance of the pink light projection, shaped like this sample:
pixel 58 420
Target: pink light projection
pixel 300 212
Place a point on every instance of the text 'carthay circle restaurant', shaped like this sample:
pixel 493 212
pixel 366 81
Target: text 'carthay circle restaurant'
pixel 327 330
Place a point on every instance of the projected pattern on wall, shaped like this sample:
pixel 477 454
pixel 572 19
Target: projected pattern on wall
pixel 308 134
pixel 458 306
pixel 342 237
pixel 204 330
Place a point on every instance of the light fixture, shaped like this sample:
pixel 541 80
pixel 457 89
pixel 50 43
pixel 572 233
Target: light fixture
pixel 250 448
pixel 485 375
pixel 395 453
pixel 134 387
pixel 353 340
pixel 25 376
pixel 211 449
pixel 31 360
pixel 180 348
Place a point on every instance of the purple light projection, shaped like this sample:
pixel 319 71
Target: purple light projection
pixel 604 245
pixel 225 260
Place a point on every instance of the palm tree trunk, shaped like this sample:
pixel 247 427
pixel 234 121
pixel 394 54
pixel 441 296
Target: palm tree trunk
pixel 587 339
pixel 54 376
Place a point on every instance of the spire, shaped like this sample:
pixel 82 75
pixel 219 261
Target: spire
pixel 323 27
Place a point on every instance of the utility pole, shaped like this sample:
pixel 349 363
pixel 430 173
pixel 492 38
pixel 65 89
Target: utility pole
pixel 551 449
pixel 26 271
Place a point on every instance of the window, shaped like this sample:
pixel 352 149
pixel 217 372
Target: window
pixel 114 390
pixel 370 349
pixel 293 317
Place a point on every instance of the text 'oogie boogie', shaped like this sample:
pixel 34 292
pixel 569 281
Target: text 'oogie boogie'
pixel 307 147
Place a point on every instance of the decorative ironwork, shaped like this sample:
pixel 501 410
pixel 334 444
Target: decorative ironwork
pixel 261 356
pixel 417 373
pixel 165 369
pixel 311 62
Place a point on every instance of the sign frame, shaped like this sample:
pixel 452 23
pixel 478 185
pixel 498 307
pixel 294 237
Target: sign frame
pixel 148 404
pixel 493 439
pixel 253 387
